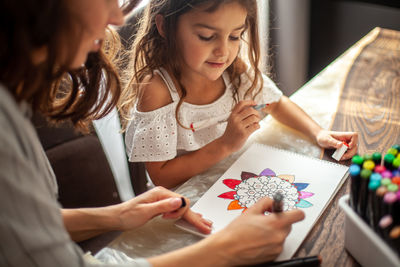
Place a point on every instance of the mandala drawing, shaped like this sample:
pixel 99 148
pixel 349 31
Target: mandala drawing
pixel 252 187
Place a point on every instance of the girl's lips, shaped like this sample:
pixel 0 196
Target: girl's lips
pixel 215 64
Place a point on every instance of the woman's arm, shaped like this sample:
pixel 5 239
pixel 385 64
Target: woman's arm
pixel 85 223
pixel 88 222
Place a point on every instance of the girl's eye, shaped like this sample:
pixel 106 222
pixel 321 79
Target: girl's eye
pixel 209 38
pixel 205 38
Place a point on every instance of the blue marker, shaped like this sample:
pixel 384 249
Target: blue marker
pixel 260 106
pixel 375 177
pixel 373 203
pixel 354 171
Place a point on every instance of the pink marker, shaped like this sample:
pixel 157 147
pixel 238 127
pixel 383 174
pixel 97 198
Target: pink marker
pixel 386 174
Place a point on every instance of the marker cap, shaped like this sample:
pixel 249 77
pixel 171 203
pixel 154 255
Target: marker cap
pixel 354 170
pixel 339 152
pixel 395 173
pixel 396 163
pixel 369 165
pixel 365 173
pixel 392 151
pixel 395 232
pixel 374 184
pixel 357 159
pixel 396 180
pixel 396 146
pixel 387 174
pixel 381 191
pixel 393 187
pixel 260 106
pixel 386 221
pixel 375 177
pixel 377 157
pixel 379 168
pixel 367 157
pixel 390 198
pixel 388 158
pixel 386 181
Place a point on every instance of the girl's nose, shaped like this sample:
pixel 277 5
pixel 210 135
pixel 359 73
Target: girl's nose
pixel 221 48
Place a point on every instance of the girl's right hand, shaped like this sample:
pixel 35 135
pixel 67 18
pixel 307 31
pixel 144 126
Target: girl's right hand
pixel 242 122
pixel 254 237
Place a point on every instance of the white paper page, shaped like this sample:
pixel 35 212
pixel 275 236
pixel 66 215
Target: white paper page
pixel 290 169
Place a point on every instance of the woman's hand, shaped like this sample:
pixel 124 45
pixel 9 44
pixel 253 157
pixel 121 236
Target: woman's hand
pixel 159 201
pixel 332 139
pixel 255 237
pixel 242 122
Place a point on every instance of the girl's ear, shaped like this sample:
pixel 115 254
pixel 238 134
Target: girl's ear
pixel 160 25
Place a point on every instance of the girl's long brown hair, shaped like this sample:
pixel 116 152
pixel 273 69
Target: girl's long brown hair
pixel 53 89
pixel 150 50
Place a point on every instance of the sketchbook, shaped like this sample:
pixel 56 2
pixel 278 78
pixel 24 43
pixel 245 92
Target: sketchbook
pixel 307 183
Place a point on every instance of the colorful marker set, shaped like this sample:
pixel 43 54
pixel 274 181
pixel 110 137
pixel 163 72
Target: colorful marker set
pixel 375 194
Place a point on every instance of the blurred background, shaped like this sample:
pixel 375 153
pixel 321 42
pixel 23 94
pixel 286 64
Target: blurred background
pixel 306 35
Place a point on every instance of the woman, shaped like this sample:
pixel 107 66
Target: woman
pixel 51 62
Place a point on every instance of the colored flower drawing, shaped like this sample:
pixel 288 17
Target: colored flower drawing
pixel 252 187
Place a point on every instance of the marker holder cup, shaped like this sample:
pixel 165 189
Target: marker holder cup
pixel 363 243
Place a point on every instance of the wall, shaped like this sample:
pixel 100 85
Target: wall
pixel 307 35
pixel 289 20
pixel 336 25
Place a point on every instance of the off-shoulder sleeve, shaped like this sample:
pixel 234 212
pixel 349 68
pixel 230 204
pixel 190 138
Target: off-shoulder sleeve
pixel 269 93
pixel 152 136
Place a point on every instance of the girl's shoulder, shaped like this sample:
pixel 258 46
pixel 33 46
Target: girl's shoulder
pixel 153 94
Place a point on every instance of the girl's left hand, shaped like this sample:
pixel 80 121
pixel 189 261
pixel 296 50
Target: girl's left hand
pixel 332 139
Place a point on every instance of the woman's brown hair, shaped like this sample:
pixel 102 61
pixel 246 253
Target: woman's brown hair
pixel 53 89
pixel 150 50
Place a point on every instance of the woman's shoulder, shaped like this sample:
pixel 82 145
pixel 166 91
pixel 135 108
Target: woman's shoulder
pixel 153 94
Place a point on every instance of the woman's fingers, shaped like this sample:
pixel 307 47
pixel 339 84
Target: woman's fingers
pixel 197 220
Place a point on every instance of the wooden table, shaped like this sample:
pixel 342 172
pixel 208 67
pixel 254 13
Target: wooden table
pixel 370 105
pixel 357 92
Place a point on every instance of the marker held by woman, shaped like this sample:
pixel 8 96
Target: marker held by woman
pixel 310 261
pixel 183 202
pixel 277 205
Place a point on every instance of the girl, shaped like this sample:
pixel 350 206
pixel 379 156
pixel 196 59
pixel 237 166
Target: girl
pixel 194 95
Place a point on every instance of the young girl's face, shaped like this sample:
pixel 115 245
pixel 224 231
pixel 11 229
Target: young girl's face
pixel 209 42
pixel 93 16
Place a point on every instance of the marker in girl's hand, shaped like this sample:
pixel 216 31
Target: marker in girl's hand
pixel 340 151
pixel 260 106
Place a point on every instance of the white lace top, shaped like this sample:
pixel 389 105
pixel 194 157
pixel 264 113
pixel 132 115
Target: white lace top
pixel 156 135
